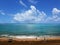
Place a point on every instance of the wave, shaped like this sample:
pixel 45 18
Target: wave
pixel 24 36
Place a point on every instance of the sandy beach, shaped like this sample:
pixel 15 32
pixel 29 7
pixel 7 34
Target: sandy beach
pixel 30 41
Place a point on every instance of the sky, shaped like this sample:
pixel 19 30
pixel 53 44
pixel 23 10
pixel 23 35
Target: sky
pixel 29 11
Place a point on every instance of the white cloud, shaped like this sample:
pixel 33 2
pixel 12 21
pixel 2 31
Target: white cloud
pixel 33 15
pixel 33 1
pixel 30 16
pixel 2 13
pixel 22 3
pixel 55 16
pixel 55 11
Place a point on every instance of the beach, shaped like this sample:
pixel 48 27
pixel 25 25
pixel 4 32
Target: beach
pixel 30 40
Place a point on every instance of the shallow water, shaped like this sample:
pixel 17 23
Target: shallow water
pixel 30 29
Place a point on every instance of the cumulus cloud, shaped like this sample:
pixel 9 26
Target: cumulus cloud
pixel 32 15
pixel 55 17
pixel 56 14
pixel 55 11
pixel 22 3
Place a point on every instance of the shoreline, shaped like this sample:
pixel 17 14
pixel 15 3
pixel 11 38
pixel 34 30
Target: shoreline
pixel 30 38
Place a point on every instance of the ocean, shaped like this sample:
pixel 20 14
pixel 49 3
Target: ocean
pixel 30 29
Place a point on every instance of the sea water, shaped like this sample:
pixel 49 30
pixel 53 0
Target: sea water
pixel 30 29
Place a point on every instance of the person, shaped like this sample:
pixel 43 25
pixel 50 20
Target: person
pixel 36 38
pixel 44 39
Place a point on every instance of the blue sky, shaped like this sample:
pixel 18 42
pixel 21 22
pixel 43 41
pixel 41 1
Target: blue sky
pixel 29 11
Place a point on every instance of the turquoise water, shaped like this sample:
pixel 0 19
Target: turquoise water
pixel 30 29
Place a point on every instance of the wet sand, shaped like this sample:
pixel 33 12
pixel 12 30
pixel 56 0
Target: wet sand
pixel 30 41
